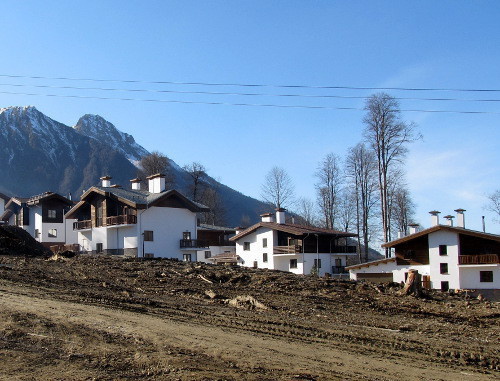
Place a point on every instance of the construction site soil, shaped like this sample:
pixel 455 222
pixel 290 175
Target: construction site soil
pixel 103 318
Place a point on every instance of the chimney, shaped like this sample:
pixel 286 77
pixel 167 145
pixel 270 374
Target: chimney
pixel 400 234
pixel 435 217
pixel 280 216
pixel 449 220
pixel 238 229
pixel 460 218
pixel 267 217
pixel 413 228
pixel 136 183
pixel 106 181
pixel 156 183
pixel 70 197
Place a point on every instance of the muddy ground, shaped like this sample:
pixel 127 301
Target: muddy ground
pixel 105 318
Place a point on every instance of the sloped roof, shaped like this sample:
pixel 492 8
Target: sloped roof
pixel 35 200
pixel 139 199
pixel 215 228
pixel 435 228
pixel 372 263
pixel 292 229
pixel 4 197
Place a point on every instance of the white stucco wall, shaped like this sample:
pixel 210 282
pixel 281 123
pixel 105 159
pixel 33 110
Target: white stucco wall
pixel 214 250
pixel 444 237
pixel 256 252
pixel 399 274
pixel 470 277
pixel 2 205
pixel 384 268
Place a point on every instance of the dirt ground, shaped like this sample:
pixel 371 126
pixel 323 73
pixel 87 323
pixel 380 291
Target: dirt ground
pixel 104 318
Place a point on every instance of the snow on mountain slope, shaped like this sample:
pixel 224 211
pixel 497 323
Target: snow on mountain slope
pixel 94 126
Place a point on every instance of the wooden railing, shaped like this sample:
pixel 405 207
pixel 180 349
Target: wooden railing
pixel 121 220
pixel 75 248
pixel 480 259
pixel 343 249
pixel 79 225
pixel 193 244
pixel 292 249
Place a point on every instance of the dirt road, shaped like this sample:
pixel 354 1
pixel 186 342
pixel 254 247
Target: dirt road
pixel 63 321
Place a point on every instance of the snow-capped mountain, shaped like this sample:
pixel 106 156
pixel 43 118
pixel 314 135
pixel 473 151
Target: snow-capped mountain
pixel 97 127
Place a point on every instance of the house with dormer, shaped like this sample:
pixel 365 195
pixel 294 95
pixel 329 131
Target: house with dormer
pixel 152 222
pixel 276 244
pixel 446 256
pixel 42 216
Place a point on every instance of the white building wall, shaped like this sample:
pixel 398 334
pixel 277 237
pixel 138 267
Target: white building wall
pixel 443 237
pixel 399 275
pixel 214 250
pixel 71 235
pixel 257 249
pixel 470 277
pixel 2 205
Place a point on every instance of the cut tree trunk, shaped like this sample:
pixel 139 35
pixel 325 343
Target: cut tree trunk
pixel 413 285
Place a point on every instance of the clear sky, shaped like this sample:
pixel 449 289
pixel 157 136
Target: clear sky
pixel 424 44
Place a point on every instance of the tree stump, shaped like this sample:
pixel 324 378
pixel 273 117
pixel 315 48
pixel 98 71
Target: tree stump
pixel 413 285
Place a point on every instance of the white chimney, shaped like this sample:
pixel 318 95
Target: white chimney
pixel 267 217
pixel 136 183
pixel 413 228
pixel 460 218
pixel 449 220
pixel 434 217
pixel 400 234
pixel 106 181
pixel 280 216
pixel 156 183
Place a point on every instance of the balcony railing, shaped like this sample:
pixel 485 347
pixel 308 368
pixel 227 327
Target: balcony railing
pixel 338 270
pixel 343 249
pixel 291 249
pixel 110 221
pixel 193 244
pixel 80 225
pixel 480 259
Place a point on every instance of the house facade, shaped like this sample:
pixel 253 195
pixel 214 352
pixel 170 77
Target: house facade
pixel 135 222
pixel 216 238
pixel 43 217
pixel 447 257
pixel 275 244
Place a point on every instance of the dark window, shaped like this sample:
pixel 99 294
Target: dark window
pixel 51 213
pixel 443 250
pixel 443 268
pixel 148 235
pixel 486 276
pixel 264 242
pixel 317 263
pixel 445 286
pixel 149 255
pixel 208 254
pixel 293 263
pixel 410 254
pixel 52 233
pixel 255 265
pixel 186 235
pixel 37 233
pixel 338 262
pixel 264 257
pixel 246 246
pixel 187 257
pixel 98 247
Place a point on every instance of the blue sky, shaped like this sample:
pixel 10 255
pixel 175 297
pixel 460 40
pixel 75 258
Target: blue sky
pixel 424 44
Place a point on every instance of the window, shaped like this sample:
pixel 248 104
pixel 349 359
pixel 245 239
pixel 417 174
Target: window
pixel 98 247
pixel 51 213
pixel 186 235
pixel 187 257
pixel 338 262
pixel 264 242
pixel 264 257
pixel 445 286
pixel 149 255
pixel 443 250
pixel 317 263
pixel 148 235
pixel 208 254
pixel 37 233
pixel 486 276
pixel 52 233
pixel 246 246
pixel 293 263
pixel 443 268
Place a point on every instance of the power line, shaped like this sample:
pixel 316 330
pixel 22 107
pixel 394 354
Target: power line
pixel 237 104
pixel 240 94
pixel 251 85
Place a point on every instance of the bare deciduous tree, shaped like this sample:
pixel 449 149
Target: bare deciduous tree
pixel 305 211
pixel 155 163
pixel 388 136
pixel 403 208
pixel 277 189
pixel 217 213
pixel 347 209
pixel 197 173
pixel 328 188
pixel 494 204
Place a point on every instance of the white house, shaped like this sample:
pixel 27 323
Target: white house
pixel 136 222
pixel 447 257
pixel 275 244
pixel 216 238
pixel 43 217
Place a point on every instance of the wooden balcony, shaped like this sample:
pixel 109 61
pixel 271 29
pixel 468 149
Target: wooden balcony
pixel 480 259
pixel 292 249
pixel 109 221
pixel 343 249
pixel 193 244
pixel 81 225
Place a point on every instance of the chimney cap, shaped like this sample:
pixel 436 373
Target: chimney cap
pixel 266 215
pixel 136 180
pixel 115 186
pixel 107 177
pixel 414 225
pixel 155 176
pixel 434 212
pixel 280 209
pixel 459 210
pixel 449 217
